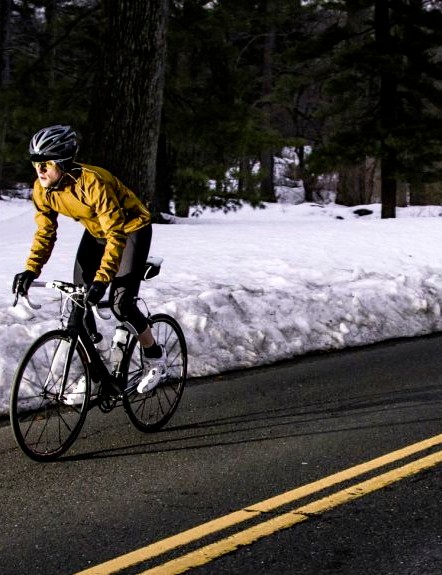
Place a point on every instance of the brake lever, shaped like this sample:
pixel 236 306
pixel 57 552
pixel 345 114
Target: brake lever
pixel 100 314
pixel 27 301
pixel 29 304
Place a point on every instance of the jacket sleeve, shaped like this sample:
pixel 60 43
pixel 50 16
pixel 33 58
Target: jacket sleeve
pixel 45 236
pixel 111 219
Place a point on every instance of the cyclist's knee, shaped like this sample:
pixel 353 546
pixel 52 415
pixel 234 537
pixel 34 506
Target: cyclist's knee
pixel 124 309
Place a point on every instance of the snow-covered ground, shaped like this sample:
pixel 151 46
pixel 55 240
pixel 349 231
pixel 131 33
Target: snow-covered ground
pixel 255 286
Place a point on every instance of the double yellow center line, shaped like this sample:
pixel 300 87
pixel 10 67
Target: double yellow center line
pixel 209 552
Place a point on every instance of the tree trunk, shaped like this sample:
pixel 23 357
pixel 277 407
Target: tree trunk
pixel 359 184
pixel 5 35
pixel 308 180
pixel 163 184
pixel 388 182
pixel 5 75
pixel 126 110
pixel 387 106
pixel 48 46
pixel 267 186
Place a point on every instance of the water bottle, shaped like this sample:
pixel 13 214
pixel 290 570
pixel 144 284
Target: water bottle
pixel 119 342
pixel 104 349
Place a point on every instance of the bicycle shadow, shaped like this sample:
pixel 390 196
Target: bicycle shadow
pixel 378 411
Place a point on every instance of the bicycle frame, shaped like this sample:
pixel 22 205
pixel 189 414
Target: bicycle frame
pixel 78 332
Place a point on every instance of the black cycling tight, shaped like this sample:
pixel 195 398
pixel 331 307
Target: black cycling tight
pixel 127 281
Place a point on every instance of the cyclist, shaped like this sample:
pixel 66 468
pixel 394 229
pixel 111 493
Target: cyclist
pixel 115 243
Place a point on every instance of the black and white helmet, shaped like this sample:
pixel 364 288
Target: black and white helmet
pixel 57 142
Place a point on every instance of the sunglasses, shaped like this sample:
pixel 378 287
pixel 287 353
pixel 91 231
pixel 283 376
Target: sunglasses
pixel 44 165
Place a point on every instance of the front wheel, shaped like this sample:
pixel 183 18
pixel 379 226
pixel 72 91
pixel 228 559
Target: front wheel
pixel 150 411
pixel 44 422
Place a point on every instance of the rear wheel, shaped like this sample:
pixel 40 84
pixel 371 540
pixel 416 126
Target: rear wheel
pixel 43 423
pixel 152 410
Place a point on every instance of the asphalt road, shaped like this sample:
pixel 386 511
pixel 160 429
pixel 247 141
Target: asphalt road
pixel 238 440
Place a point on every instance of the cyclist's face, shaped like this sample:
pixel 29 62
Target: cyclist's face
pixel 48 173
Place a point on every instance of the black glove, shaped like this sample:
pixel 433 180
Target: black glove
pixel 95 292
pixel 22 282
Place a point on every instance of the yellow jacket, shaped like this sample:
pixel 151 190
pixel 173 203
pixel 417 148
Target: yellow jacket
pixel 98 200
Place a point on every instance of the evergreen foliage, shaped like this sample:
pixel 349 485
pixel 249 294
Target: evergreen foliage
pixel 383 91
pixel 50 51
pixel 214 97
pixel 352 79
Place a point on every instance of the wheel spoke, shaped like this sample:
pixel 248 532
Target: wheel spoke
pixel 44 425
pixel 153 409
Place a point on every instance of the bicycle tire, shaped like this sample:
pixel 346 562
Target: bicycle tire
pixel 152 410
pixel 43 424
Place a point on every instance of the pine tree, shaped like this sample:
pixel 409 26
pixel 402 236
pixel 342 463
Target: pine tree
pixel 223 71
pixel 383 92
pixel 49 67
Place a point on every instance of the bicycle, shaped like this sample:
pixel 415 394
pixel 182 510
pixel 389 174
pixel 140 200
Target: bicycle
pixel 44 423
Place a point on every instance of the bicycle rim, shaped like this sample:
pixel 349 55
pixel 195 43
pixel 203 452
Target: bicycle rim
pixel 43 423
pixel 152 410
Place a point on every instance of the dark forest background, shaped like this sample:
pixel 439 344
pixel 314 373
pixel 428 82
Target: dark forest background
pixel 172 95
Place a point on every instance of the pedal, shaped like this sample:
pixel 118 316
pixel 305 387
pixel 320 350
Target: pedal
pixel 107 403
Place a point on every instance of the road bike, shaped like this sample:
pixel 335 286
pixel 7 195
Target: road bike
pixel 45 422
